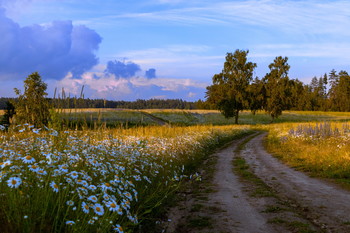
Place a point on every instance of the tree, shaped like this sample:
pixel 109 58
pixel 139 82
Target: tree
pixel 278 87
pixel 229 91
pixel 339 93
pixel 9 113
pixel 32 107
pixel 257 94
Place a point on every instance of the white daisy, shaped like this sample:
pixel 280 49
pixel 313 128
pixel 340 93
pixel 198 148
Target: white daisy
pixel 14 182
pixel 85 207
pixel 98 208
pixel 54 186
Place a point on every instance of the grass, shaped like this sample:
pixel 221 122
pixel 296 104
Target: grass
pixel 116 118
pixel 143 165
pixel 321 149
pixel 97 180
pixel 200 222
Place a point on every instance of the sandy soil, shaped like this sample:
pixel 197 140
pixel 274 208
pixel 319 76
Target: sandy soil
pixel 225 203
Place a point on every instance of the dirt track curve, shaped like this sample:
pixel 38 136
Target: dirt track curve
pixel 229 203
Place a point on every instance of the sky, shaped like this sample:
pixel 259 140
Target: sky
pixel 164 49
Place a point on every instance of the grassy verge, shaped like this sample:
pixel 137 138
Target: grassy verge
pixel 321 149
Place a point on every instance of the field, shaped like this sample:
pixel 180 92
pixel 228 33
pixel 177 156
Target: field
pixel 91 118
pixel 120 168
pixel 96 181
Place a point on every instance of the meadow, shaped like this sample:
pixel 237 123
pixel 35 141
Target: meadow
pixel 120 176
pixel 97 180
pixel 121 118
pixel 320 149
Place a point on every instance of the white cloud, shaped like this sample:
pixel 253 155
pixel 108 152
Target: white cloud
pixel 167 84
pixel 305 17
pixel 101 85
pixel 181 61
pixel 191 94
pixel 307 50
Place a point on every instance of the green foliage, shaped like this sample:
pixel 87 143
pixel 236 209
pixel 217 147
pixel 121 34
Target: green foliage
pixel 9 113
pixel 32 107
pixel 278 87
pixel 229 91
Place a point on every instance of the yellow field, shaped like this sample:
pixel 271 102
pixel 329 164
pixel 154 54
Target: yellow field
pixel 323 149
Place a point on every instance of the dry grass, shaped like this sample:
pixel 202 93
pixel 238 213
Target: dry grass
pixel 322 152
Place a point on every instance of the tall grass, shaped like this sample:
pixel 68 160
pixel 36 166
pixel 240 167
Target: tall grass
pixel 323 149
pixel 96 181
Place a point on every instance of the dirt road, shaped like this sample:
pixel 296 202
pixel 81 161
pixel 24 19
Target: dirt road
pixel 261 195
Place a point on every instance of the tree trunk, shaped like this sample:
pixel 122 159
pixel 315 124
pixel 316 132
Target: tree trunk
pixel 236 116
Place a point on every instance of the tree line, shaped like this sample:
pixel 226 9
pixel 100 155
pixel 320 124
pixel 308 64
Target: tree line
pixel 75 102
pixel 234 89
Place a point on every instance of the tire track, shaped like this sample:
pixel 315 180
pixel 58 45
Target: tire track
pixel 323 203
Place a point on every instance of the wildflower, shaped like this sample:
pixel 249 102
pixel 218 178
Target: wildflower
pixel 54 186
pixel 82 182
pixel 128 195
pixel 112 206
pixel 74 174
pixel 25 216
pixel 6 163
pixel 28 159
pixel 41 172
pixel 63 168
pixel 98 208
pixel 106 197
pixel 33 167
pixel 70 223
pixel 91 221
pixel 70 203
pixel 36 131
pixel 2 127
pixel 14 182
pixel 118 228
pixel 85 207
pixel 92 187
pixel 69 180
pixel 92 198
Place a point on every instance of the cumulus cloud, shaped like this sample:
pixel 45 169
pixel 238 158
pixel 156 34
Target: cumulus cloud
pixel 151 73
pixel 122 69
pixel 121 82
pixel 53 50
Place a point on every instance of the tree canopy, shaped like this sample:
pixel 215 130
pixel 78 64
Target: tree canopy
pixel 229 91
pixel 32 106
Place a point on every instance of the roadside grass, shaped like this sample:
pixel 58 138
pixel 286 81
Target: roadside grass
pixel 321 149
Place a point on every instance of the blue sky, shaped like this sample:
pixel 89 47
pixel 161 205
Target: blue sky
pixel 125 50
